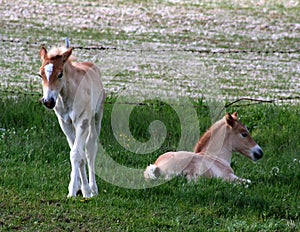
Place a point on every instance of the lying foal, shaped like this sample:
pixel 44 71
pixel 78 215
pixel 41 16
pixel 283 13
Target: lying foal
pixel 212 155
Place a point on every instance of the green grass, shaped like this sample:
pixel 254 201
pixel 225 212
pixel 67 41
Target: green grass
pixel 34 175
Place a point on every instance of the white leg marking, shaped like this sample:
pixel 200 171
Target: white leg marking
pixel 85 188
pixel 73 185
pixel 78 157
pixel 78 170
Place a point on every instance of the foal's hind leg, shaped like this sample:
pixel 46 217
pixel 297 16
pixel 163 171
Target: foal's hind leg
pixel 91 151
pixel 92 144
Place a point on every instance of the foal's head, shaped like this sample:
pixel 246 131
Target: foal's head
pixel 51 73
pixel 240 139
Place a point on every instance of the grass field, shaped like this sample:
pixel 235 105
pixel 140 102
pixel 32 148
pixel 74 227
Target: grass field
pixel 203 53
pixel 35 173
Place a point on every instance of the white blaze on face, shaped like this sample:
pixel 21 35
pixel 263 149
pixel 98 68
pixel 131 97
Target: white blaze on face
pixel 48 92
pixel 48 70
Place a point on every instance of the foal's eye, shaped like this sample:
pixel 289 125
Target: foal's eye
pixel 40 75
pixel 60 75
pixel 244 134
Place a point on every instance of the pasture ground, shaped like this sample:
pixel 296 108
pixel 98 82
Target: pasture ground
pixel 210 51
pixel 35 172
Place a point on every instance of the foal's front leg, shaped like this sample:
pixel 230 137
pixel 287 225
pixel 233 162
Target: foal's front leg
pixel 236 179
pixel 78 158
pixel 69 131
pixel 75 160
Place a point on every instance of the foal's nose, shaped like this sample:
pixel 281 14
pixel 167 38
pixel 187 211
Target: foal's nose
pixel 258 153
pixel 49 103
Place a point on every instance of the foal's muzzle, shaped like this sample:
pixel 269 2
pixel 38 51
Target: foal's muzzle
pixel 257 153
pixel 49 103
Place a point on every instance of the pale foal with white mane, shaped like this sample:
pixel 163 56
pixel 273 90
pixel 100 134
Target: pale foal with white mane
pixel 75 92
pixel 212 155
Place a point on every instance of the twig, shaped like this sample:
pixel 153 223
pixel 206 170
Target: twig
pixel 248 99
pixel 244 99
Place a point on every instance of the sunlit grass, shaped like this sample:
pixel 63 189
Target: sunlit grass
pixel 34 175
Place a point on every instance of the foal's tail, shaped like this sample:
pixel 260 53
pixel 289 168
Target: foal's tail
pixel 151 172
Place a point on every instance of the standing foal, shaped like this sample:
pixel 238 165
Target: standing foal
pixel 75 92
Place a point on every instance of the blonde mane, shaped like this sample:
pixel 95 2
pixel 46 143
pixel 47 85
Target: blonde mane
pixel 203 141
pixel 56 51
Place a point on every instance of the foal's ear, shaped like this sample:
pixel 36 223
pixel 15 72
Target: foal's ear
pixel 235 115
pixel 43 53
pixel 67 54
pixel 230 119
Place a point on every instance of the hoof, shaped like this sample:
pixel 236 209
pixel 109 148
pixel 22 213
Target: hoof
pixel 71 196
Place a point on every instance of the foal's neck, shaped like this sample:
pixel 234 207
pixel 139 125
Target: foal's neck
pixel 70 85
pixel 219 144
